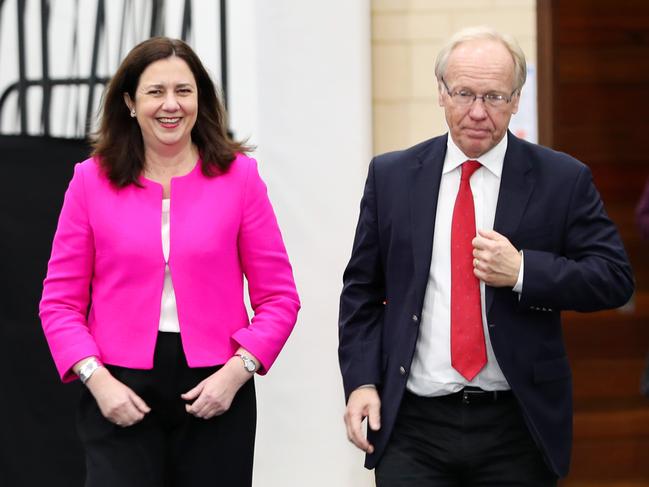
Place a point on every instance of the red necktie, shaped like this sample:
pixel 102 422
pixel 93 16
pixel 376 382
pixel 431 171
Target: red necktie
pixel 468 353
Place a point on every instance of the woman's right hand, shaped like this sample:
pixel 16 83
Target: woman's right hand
pixel 118 403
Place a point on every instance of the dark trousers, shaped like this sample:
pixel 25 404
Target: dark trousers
pixel 447 441
pixel 169 448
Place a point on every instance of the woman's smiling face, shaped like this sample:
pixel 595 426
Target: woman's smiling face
pixel 166 104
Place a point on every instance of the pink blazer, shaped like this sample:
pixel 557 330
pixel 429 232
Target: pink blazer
pixel 105 277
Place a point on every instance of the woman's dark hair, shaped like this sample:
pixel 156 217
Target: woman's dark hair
pixel 118 141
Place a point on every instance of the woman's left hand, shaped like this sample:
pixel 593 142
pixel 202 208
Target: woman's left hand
pixel 213 395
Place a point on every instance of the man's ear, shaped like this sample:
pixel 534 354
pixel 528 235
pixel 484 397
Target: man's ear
pixel 440 94
pixel 514 102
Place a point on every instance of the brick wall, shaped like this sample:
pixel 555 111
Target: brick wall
pixel 406 36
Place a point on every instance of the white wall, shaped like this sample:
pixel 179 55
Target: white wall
pixel 301 88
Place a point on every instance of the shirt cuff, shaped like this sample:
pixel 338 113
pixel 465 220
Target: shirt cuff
pixel 518 287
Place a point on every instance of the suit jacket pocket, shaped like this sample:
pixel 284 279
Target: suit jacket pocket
pixel 549 370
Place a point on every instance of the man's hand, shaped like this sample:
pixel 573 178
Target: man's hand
pixel 363 403
pixel 495 260
pixel 117 402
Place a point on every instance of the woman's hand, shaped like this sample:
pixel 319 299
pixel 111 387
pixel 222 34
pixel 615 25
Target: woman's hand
pixel 213 395
pixel 117 402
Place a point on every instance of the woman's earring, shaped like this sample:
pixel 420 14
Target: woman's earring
pixel 132 112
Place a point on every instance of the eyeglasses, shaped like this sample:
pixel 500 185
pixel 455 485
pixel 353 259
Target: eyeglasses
pixel 464 97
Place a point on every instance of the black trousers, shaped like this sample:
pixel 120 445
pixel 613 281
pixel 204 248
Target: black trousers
pixel 169 448
pixel 462 440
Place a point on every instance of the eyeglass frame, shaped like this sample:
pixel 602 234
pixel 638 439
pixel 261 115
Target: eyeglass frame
pixel 475 97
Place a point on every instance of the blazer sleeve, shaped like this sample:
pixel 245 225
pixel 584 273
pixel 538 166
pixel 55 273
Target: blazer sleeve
pixel 593 271
pixel 271 287
pixel 362 299
pixel 66 289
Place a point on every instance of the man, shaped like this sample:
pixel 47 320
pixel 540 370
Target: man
pixel 468 247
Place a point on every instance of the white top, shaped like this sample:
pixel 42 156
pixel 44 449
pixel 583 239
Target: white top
pixel 431 373
pixel 168 310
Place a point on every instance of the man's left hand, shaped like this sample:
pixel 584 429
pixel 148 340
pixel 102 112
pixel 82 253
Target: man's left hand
pixel 495 260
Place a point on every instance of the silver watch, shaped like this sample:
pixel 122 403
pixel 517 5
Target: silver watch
pixel 248 363
pixel 88 369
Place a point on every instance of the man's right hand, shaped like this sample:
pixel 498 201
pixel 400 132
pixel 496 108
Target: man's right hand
pixel 363 403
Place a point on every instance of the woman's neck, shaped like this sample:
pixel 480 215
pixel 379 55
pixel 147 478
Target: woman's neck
pixel 161 165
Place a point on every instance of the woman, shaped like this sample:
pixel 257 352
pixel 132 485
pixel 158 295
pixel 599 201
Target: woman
pixel 143 298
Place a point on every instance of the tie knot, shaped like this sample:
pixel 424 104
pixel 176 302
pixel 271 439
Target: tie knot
pixel 468 168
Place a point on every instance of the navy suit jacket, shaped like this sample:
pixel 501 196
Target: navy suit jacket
pixel 574 260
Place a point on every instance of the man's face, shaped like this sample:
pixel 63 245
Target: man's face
pixel 482 67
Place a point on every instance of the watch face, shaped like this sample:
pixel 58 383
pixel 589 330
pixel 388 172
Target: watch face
pixel 249 365
pixel 87 370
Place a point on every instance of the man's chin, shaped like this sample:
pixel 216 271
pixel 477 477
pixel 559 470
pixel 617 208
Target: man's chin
pixel 475 149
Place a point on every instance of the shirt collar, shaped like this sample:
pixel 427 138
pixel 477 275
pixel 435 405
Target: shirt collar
pixel 493 159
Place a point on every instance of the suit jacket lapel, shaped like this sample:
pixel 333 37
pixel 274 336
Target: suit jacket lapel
pixel 516 186
pixel 425 176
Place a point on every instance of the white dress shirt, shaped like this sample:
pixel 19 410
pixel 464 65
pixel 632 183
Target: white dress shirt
pixel 168 309
pixel 431 373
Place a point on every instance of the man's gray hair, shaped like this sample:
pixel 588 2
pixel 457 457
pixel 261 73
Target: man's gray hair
pixel 481 33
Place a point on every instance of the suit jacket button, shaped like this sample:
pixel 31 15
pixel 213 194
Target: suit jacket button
pixel 402 370
pixel 415 318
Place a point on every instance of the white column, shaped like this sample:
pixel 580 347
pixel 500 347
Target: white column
pixel 300 85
